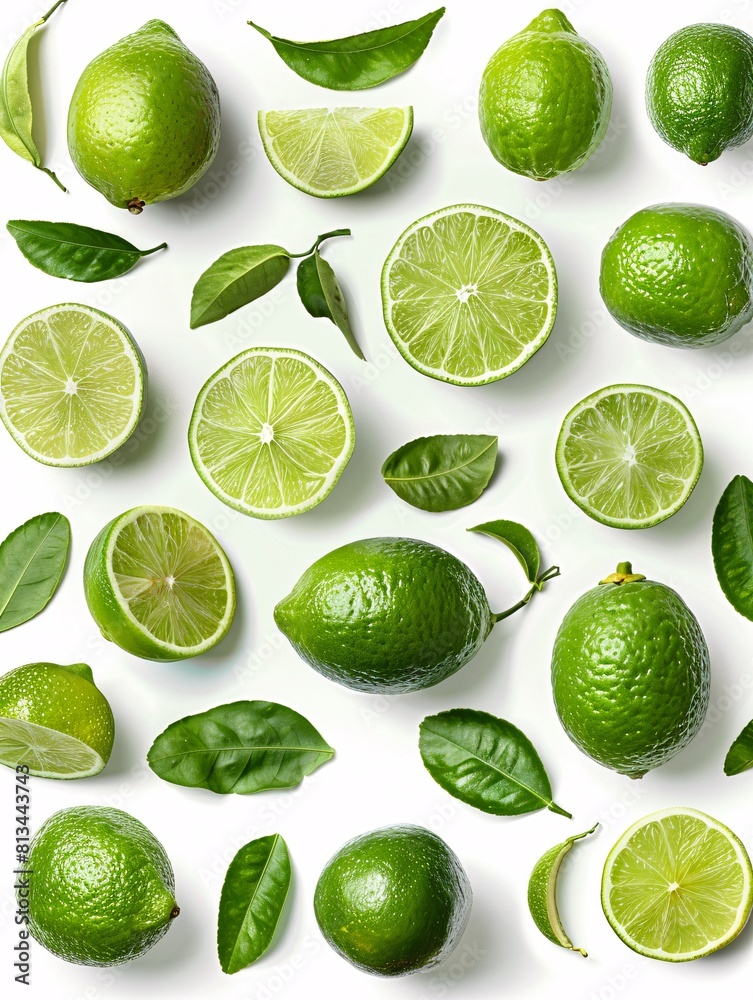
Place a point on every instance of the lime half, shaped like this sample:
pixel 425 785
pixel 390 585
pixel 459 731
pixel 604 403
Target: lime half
pixel 469 294
pixel 271 432
pixel 158 584
pixel 677 885
pixel 72 385
pixel 54 721
pixel 629 455
pixel 330 152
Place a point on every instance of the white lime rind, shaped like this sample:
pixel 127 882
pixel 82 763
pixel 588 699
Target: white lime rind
pixel 46 752
pixel 469 294
pixel 66 399
pixel 332 152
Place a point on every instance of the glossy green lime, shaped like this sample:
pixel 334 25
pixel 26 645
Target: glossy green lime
pixel 630 673
pixel 102 890
pixel 393 901
pixel 699 90
pixel 680 275
pixel 144 119
pixel 386 615
pixel 545 99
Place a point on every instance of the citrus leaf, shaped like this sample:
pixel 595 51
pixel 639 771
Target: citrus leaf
pixel 357 62
pixel 486 762
pixel 15 101
pixel 442 472
pixel 235 279
pixel 66 250
pixel 732 544
pixel 740 755
pixel 244 747
pixel 32 560
pixel 253 897
pixel 520 541
pixel 321 295
pixel 542 892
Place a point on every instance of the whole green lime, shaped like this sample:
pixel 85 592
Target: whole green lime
pixel 144 119
pixel 386 615
pixel 102 889
pixel 55 721
pixel 545 99
pixel 630 673
pixel 699 90
pixel 680 275
pixel 393 901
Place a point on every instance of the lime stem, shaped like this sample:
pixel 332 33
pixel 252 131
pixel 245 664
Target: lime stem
pixel 625 568
pixel 49 14
pixel 162 246
pixel 47 170
pixel 174 912
pixel 548 574
pixel 553 807
pixel 319 240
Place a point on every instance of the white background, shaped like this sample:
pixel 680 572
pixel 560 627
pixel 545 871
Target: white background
pixel 377 777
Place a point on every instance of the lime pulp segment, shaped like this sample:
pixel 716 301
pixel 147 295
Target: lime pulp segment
pixel 328 152
pixel 271 432
pixel 629 455
pixel 469 294
pixel 46 752
pixel 71 385
pixel 677 885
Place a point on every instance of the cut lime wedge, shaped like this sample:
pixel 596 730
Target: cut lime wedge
pixel 469 294
pixel 159 585
pixel 271 432
pixel 677 885
pixel 629 455
pixel 329 152
pixel 72 385
pixel 46 752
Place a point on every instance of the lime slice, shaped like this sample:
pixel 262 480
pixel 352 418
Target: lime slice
pixel 469 294
pixel 271 432
pixel 54 720
pixel 629 455
pixel 72 385
pixel 158 584
pixel 542 892
pixel 330 152
pixel 677 885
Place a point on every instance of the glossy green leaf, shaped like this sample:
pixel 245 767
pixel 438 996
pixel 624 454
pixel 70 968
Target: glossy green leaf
pixel 321 295
pixel 358 61
pixel 486 762
pixel 740 755
pixel 235 279
pixel 253 897
pixel 244 747
pixel 520 541
pixel 732 544
pixel 15 101
pixel 442 472
pixel 66 250
pixel 32 560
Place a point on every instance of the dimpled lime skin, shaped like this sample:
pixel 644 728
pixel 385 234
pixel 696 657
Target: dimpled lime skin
pixel 679 275
pixel 102 888
pixel 386 615
pixel 630 675
pixel 545 99
pixel 699 90
pixel 144 119
pixel 50 695
pixel 393 901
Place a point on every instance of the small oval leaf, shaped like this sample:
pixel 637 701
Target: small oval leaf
pixel 79 253
pixel 235 279
pixel 442 472
pixel 486 762
pixel 732 544
pixel 740 755
pixel 253 897
pixel 520 541
pixel 321 295
pixel 244 747
pixel 32 560
pixel 357 62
